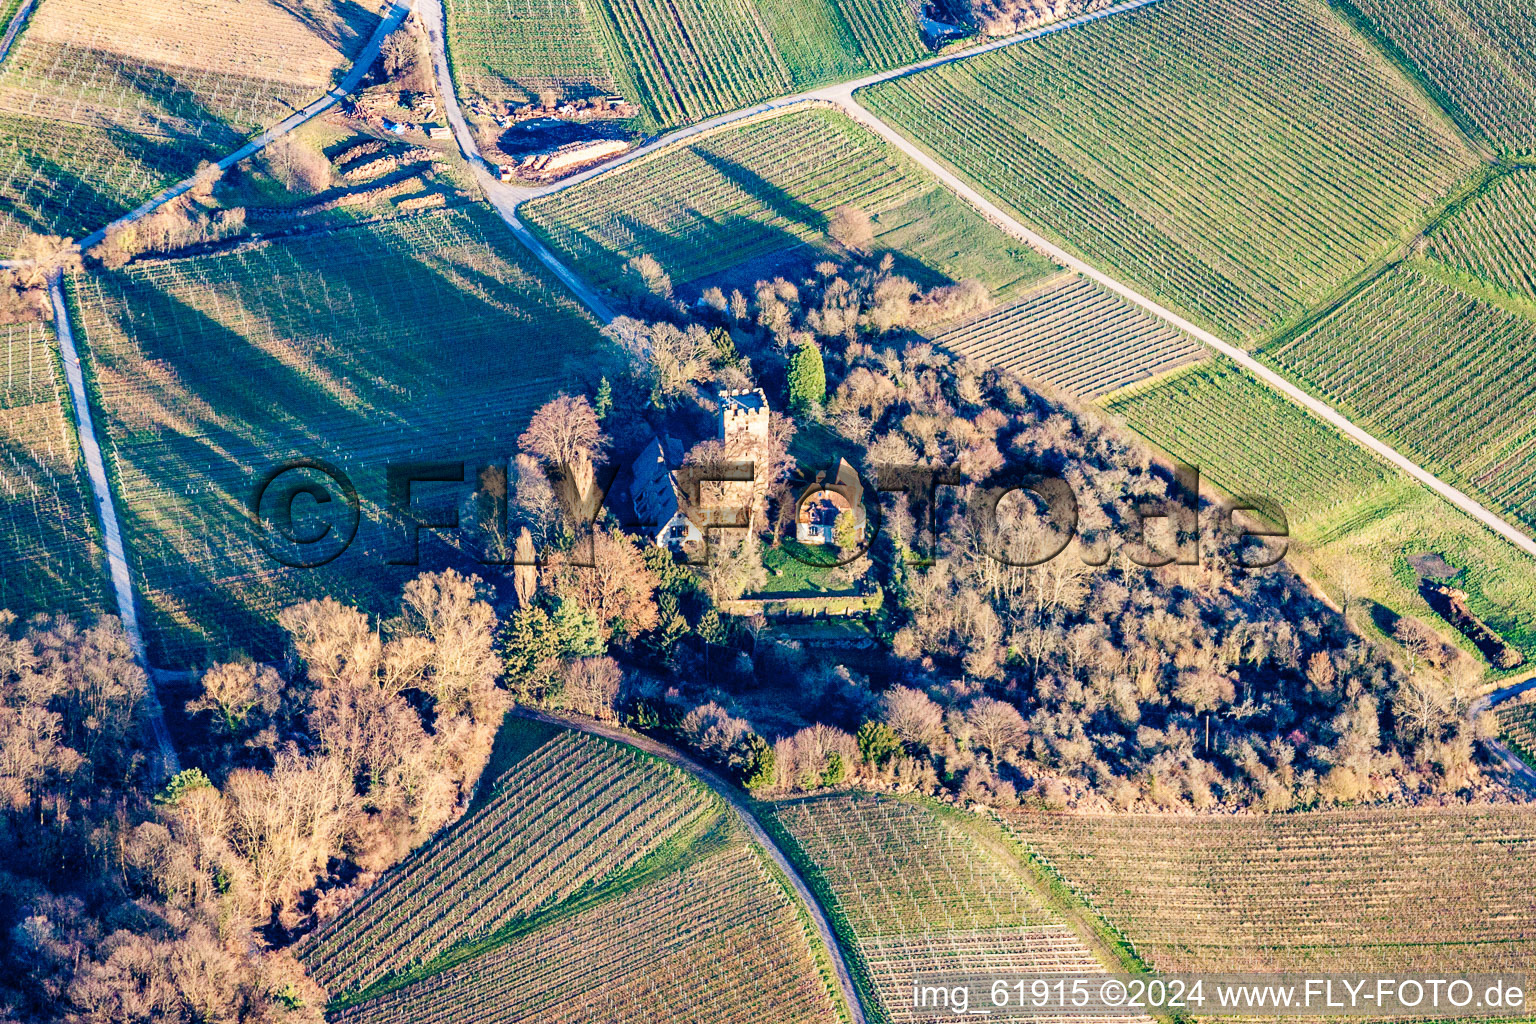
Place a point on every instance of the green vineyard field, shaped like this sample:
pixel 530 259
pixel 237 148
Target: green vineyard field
pixel 401 341
pixel 679 60
pixel 717 942
pixel 1441 375
pixel 1444 889
pixel 1249 440
pixel 1074 337
pixel 1239 160
pixel 1478 58
pixel 1352 517
pixel 49 543
pixel 1517 727
pixel 767 187
pixel 919 893
pixel 1494 236
pixel 515 49
pixel 573 813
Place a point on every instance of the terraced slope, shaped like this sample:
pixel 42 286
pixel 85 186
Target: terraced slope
pixel 105 102
pixel 1348 891
pixel 575 812
pixel 1238 160
pixel 428 337
pixel 49 548
pixel 717 942
pixel 1073 337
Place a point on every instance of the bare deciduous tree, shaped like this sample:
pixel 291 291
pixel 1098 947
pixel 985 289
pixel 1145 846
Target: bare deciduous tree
pixel 300 168
pixel 564 435
pixel 913 716
pixel 616 587
pixel 592 687
pixel 850 228
pixel 995 724
pixel 233 690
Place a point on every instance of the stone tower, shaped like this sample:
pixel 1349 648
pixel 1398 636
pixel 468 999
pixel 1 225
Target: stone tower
pixel 743 412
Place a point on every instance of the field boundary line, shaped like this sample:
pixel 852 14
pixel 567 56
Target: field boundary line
pixel 106 513
pixel 1444 105
pixel 738 805
pixel 1238 355
pixel 360 66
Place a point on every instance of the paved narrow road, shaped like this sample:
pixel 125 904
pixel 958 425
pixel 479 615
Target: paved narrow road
pixel 732 796
pixel 106 515
pixel 502 196
pixel 841 96
pixel 14 28
pixel 1316 406
pixel 829 93
pixel 360 66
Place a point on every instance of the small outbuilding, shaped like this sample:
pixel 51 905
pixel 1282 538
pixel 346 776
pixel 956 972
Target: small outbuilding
pixel 823 503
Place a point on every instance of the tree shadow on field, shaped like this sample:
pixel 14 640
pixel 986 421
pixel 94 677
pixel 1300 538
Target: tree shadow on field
pixel 704 245
pixel 1384 618
pixel 348 26
pixel 170 97
pixel 698 241
pixel 58 199
pixel 779 202
pixel 348 349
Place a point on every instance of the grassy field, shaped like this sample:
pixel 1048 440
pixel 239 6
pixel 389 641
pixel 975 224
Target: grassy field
pixel 1351 516
pixel 1440 374
pixel 1494 236
pixel 1476 57
pixel 397 342
pixel 49 542
pixel 747 192
pixel 104 102
pixel 1239 160
pixel 1074 337
pixel 575 812
pixel 1443 889
pixel 678 60
pixel 718 942
pixel 915 891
